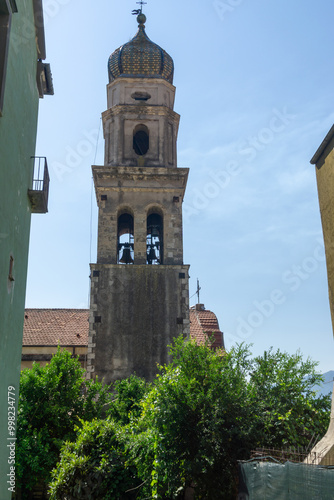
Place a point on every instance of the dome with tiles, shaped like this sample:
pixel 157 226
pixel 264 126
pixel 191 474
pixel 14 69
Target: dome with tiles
pixel 140 58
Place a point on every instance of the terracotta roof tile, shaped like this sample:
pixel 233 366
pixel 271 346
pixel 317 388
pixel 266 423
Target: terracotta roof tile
pixel 67 327
pixel 204 325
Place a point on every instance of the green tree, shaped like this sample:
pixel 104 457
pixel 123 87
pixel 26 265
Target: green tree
pixel 127 397
pixel 203 415
pixel 193 424
pixel 101 463
pixel 291 412
pixel 52 401
pixel 96 466
pixel 204 411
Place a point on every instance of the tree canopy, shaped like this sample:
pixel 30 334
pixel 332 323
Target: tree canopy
pixel 292 413
pixel 186 431
pixel 53 400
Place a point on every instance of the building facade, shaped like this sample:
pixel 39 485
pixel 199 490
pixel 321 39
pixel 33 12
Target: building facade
pixel 46 329
pixel 139 285
pixel 24 78
pixel 324 162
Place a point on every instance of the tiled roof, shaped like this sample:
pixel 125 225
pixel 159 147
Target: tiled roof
pixel 204 325
pixel 50 327
pixel 69 327
pixel 141 58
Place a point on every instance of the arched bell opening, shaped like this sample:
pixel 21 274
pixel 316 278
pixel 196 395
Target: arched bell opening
pixel 141 140
pixel 154 239
pixel 125 239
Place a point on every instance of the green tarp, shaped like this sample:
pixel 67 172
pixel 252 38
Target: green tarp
pixel 262 480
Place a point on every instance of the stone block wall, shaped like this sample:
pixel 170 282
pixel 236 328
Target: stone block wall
pixel 136 311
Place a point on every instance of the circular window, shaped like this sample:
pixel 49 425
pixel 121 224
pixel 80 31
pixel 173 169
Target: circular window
pixel 141 142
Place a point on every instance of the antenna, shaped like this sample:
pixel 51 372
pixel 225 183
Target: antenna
pixel 198 290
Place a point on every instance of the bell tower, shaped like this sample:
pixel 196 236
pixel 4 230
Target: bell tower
pixel 139 285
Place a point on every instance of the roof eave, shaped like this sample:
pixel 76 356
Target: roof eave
pixel 63 346
pixel 323 146
pixel 39 27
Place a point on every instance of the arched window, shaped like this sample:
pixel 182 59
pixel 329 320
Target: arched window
pixel 141 140
pixel 154 239
pixel 125 240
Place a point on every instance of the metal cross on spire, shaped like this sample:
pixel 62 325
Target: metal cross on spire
pixel 198 290
pixel 141 3
pixel 139 11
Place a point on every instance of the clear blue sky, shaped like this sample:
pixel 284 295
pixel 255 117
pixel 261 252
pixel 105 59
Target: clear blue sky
pixel 255 92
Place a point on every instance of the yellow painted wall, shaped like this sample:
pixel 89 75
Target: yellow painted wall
pixel 325 182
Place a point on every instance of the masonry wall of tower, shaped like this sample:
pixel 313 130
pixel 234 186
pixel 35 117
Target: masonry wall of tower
pixel 139 191
pixel 133 102
pixel 139 287
pixel 136 313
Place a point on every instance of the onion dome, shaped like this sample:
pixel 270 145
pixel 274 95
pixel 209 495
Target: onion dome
pixel 140 58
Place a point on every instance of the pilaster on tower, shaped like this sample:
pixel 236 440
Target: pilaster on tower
pixel 139 290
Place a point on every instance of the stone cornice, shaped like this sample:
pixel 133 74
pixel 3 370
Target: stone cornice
pixel 140 110
pixel 151 179
pixel 148 81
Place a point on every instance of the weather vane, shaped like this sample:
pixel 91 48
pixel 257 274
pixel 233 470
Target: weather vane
pixel 139 11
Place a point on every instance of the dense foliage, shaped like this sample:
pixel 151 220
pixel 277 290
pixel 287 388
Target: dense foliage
pixel 96 465
pixel 201 410
pixel 52 401
pixel 291 412
pixel 186 431
pixel 128 395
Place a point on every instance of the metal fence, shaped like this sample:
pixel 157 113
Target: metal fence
pixel 266 478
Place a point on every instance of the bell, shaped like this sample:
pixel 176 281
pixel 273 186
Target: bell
pixel 151 256
pixel 126 256
pixel 155 233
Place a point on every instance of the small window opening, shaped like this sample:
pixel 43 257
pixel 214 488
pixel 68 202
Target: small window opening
pixel 141 140
pixel 154 244
pixel 10 280
pixel 11 265
pixel 140 96
pixel 125 240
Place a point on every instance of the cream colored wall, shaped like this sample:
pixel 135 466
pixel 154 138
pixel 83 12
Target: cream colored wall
pixel 121 91
pixel 325 182
pixel 33 350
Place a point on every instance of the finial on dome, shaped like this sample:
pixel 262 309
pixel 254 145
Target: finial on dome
pixel 141 18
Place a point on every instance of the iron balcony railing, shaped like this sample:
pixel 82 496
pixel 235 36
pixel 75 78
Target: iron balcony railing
pixel 39 193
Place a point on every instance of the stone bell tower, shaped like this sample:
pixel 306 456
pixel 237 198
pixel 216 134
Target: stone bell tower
pixel 139 285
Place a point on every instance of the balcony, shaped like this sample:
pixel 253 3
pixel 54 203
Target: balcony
pixel 39 193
